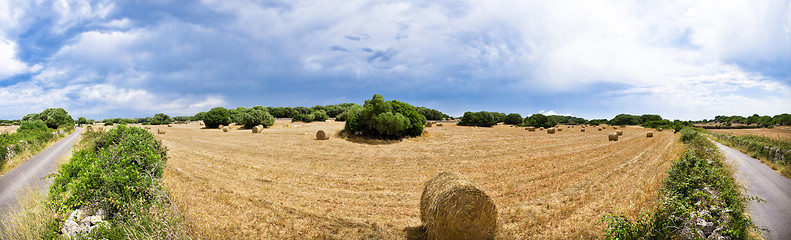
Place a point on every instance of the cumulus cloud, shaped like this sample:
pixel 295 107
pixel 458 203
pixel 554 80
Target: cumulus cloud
pixel 598 58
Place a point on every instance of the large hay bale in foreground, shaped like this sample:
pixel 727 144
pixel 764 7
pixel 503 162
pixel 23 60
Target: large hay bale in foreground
pixel 532 129
pixel 321 135
pixel 160 131
pixel 613 137
pixel 551 130
pixel 226 129
pixel 451 207
pixel 619 132
pixel 649 134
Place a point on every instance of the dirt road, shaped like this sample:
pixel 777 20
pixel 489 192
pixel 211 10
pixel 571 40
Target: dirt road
pixel 773 217
pixel 32 173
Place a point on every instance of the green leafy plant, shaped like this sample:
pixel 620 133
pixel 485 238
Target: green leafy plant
pixel 385 119
pixel 481 119
pixel 216 117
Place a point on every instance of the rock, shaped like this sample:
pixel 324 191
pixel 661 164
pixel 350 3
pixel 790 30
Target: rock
pixel 79 224
pixel 70 228
pixel 716 236
pixel 77 215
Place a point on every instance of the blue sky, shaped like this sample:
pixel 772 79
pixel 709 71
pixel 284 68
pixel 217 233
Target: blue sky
pixel 592 59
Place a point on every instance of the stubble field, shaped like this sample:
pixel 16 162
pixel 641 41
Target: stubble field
pixel 780 133
pixel 283 184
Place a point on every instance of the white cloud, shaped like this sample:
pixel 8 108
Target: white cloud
pixel 9 64
pixel 72 13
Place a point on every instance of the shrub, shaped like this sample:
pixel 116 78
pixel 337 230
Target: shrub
pixel 31 117
pixel 481 119
pixel 108 122
pixel 431 114
pixel 253 117
pixel 539 120
pixel 160 119
pixel 56 117
pixel 36 125
pixel 82 120
pixel 307 118
pixel 320 115
pixel 216 117
pixel 513 119
pixel 379 118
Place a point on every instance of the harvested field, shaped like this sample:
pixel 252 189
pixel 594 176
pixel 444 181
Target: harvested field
pixel 782 133
pixel 285 185
pixel 8 129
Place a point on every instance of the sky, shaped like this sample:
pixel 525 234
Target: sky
pixel 687 60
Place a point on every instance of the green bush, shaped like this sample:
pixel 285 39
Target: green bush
pixel 253 117
pixel 56 117
pixel 320 116
pixel 391 120
pixel 481 119
pixel 216 117
pixel 36 125
pixel 122 169
pixel 160 119
pixel 307 118
pixel 539 120
pixel 431 114
pixel 513 119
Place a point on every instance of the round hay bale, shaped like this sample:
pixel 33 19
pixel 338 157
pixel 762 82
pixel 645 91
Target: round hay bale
pixel 659 129
pixel 649 134
pixel 619 132
pixel 451 207
pixel 582 129
pixel 551 130
pixel 226 129
pixel 604 127
pixel 614 127
pixel 439 124
pixel 428 124
pixel 321 135
pixel 560 129
pixel 541 129
pixel 613 137
pixel 532 129
pixel 201 123
pixel 160 131
pixel 169 125
pixel 220 127
pixel 256 129
pixel 599 129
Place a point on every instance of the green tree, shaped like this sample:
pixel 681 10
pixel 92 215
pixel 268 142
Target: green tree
pixel 481 119
pixel 161 118
pixel 383 119
pixel 35 125
pixel 56 117
pixel 216 117
pixel 253 117
pixel 82 120
pixel 320 115
pixel 513 119
pixel 30 117
pixel 539 120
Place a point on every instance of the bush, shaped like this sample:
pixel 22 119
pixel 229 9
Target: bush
pixel 481 119
pixel 36 125
pixel 307 118
pixel 431 114
pixel 254 117
pixel 320 115
pixel 539 120
pixel 216 117
pixel 513 119
pixel 391 120
pixel 160 119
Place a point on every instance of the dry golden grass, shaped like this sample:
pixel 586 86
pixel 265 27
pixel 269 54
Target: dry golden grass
pixel 780 133
pixel 8 129
pixel 284 184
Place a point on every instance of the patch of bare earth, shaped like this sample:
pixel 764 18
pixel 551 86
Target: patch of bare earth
pixel 283 184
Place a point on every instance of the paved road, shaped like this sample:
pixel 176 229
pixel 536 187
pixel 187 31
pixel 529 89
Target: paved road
pixel 773 217
pixel 32 173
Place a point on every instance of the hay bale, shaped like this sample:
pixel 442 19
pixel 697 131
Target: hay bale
pixel 614 127
pixel 169 125
pixel 560 129
pixel 541 129
pixel 201 123
pixel 160 131
pixel 582 129
pixel 649 134
pixel 220 127
pixel 599 129
pixel 258 129
pixel 451 207
pixel 659 129
pixel 321 135
pixel 619 132
pixel 532 129
pixel 551 130
pixel 428 124
pixel 226 129
pixel 613 137
pixel 604 127
pixel 439 124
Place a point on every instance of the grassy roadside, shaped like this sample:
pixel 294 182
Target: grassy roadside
pixel 698 200
pixel 773 152
pixel 32 143
pixel 117 171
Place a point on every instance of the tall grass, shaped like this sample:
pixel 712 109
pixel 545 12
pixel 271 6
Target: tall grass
pixel 699 187
pixel 30 220
pixel 767 149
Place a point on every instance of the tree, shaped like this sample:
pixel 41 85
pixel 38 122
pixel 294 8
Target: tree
pixel 539 120
pixel 35 125
pixel 481 119
pixel 256 116
pixel 216 117
pixel 161 118
pixel 513 119
pixel 82 120
pixel 383 119
pixel 431 114
pixel 199 116
pixel 320 115
pixel 30 117
pixel 56 117
pixel 625 119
